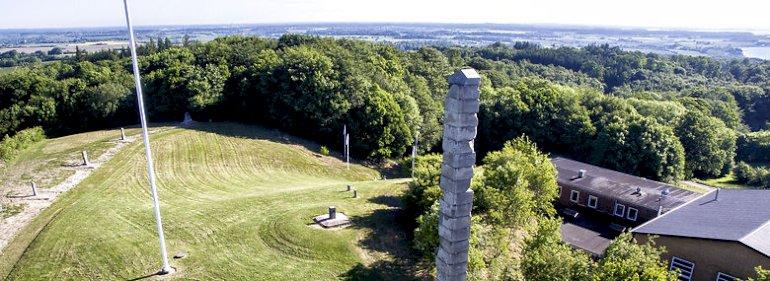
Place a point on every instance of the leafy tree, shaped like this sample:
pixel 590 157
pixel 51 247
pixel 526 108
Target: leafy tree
pixel 550 115
pixel 381 130
pixel 624 259
pixel 708 144
pixel 642 147
pixel 519 183
pixel 753 147
pixel 424 190
pixel 546 257
pixel 55 51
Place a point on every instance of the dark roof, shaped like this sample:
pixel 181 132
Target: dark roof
pixel 621 186
pixel 734 215
pixel 587 233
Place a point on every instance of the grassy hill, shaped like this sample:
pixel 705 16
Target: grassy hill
pixel 238 199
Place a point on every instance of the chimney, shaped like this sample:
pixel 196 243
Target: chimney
pixel 581 173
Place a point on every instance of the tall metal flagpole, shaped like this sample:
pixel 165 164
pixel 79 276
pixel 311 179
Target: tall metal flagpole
pixel 347 151
pixel 150 167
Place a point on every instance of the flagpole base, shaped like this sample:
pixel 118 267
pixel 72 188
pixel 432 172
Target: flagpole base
pixel 166 270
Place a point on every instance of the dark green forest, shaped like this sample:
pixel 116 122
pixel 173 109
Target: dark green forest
pixel 662 117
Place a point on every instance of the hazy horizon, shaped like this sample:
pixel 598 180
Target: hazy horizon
pixel 543 25
pixel 740 15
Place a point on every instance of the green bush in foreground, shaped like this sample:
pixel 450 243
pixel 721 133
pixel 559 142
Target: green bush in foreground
pixel 750 175
pixel 762 274
pixel 10 146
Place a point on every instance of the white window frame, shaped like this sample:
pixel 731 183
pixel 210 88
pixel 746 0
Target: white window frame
pixel 622 210
pixel 636 214
pixel 683 275
pixel 726 277
pixel 577 196
pixel 595 199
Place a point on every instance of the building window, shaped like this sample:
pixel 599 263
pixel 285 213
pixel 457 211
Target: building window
pixel 593 201
pixel 726 277
pixel 620 210
pixel 632 213
pixel 574 196
pixel 684 267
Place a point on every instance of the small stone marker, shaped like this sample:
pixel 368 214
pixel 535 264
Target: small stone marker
pixel 187 119
pixel 332 219
pixel 122 134
pixel 85 159
pixel 348 187
pixel 34 189
pixel 355 193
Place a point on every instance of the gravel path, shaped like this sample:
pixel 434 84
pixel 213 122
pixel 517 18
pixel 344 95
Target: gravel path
pixel 45 197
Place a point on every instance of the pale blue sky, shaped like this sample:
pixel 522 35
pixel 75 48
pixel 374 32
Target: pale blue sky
pixel 701 14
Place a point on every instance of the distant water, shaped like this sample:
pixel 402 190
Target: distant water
pixel 757 52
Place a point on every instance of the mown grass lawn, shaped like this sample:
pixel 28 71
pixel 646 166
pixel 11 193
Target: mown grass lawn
pixel 237 199
pixel 727 181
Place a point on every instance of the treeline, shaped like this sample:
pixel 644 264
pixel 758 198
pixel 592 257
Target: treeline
pixel 15 58
pixel 746 81
pixel 587 103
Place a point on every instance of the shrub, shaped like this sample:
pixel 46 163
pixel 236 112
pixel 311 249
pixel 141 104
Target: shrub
pixel 426 234
pixel 10 146
pixel 324 150
pixel 424 190
pixel 753 147
pixel 750 175
pixel 762 274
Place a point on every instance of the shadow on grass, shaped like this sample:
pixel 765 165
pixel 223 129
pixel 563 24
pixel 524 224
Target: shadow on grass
pixel 388 239
pixel 381 270
pixel 390 201
pixel 255 131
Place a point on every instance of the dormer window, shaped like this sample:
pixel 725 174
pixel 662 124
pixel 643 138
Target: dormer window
pixel 620 210
pixel 574 196
pixel 593 201
pixel 632 214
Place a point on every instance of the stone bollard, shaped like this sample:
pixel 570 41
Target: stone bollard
pixel 85 158
pixel 460 126
pixel 348 187
pixel 332 212
pixel 122 134
pixel 34 189
pixel 355 193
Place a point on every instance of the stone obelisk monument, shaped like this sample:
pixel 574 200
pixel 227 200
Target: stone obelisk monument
pixel 460 126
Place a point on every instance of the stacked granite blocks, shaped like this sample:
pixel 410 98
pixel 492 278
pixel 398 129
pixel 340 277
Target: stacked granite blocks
pixel 460 126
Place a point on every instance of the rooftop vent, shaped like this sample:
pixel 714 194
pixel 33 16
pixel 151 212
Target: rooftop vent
pixel 581 173
pixel 638 192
